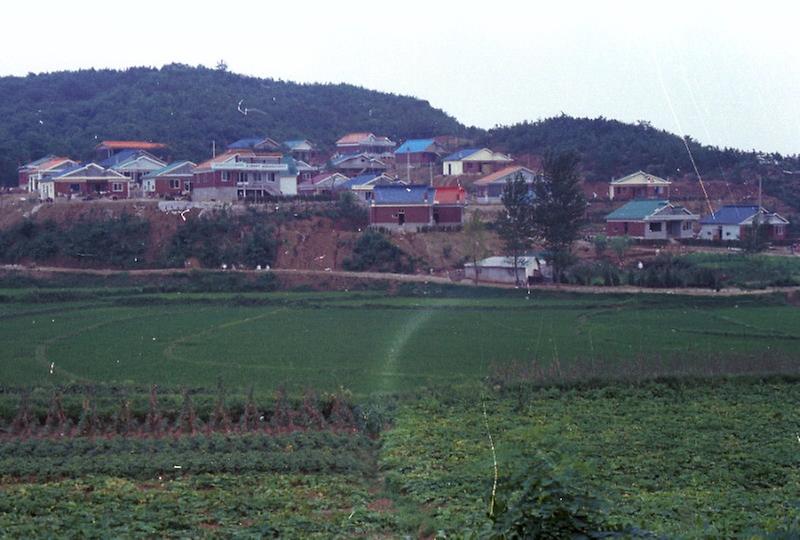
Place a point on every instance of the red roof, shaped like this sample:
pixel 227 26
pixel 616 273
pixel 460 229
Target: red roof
pixel 132 145
pixel 489 178
pixel 450 195
pixel 353 138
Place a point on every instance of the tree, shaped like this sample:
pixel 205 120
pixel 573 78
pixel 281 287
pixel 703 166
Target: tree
pixel 600 245
pixel 515 225
pixel 558 207
pixel 475 234
pixel 619 245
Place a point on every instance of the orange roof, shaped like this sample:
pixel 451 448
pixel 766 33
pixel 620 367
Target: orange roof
pixel 47 165
pixel 450 195
pixel 133 145
pixel 489 178
pixel 353 138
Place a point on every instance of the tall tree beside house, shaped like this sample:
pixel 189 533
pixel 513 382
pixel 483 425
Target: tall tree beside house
pixel 475 234
pixel 558 207
pixel 515 224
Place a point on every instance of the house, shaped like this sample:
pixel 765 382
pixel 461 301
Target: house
pixel 400 207
pixel 530 269
pixel 418 152
pixel 731 223
pixel 322 184
pixel 474 161
pixel 305 172
pixel 32 173
pixel 301 150
pixel 357 164
pixel 366 143
pixel 256 145
pixel 489 189
pixel 243 175
pixel 106 149
pixel 89 180
pixel 448 205
pixel 651 220
pixel 639 185
pixel 134 164
pixel 363 186
pixel 173 180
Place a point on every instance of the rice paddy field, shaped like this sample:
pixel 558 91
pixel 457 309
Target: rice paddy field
pixel 366 342
pixel 385 414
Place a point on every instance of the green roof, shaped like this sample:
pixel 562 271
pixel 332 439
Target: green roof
pixel 636 210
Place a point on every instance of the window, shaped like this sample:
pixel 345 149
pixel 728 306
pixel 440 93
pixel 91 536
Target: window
pixel 224 176
pixel 174 183
pixel 687 225
pixel 187 185
pixel 655 226
pixel 116 187
pixel 75 188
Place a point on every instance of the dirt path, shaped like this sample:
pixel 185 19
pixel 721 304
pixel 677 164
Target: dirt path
pixel 412 278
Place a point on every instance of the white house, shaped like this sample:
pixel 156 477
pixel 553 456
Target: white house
pixel 500 269
pixel 474 161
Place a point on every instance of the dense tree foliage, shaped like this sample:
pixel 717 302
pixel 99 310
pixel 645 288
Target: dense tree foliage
pixel 188 108
pixel 609 149
pixel 515 225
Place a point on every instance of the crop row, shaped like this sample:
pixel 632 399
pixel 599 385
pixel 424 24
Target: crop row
pixel 142 458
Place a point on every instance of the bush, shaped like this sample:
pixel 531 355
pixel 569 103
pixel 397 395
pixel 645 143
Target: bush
pixel 374 252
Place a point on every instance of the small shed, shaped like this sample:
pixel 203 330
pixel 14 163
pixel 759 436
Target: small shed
pixel 500 269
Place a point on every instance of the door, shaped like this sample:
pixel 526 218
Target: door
pixel 401 217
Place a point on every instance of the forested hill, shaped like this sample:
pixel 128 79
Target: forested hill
pixel 611 149
pixel 69 112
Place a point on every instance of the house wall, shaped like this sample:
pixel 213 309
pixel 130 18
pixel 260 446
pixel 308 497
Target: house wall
pixel 727 233
pixel 387 216
pixel 496 274
pixel 634 229
pixel 288 185
pixel 221 194
pixel 23 180
pixel 452 168
pixel 415 159
pixel 103 188
pixel 449 215
pixel 630 192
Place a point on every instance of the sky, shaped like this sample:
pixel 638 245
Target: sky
pixel 724 74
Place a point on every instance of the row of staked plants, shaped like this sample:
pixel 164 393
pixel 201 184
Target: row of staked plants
pixel 335 414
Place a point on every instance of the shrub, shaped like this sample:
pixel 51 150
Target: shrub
pixel 374 252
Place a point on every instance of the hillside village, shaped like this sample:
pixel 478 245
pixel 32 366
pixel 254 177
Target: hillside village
pixel 421 183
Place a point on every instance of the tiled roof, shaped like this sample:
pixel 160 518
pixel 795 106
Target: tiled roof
pixel 360 137
pixel 461 154
pixel 450 195
pixel 137 145
pixel 399 194
pixel 176 168
pixel 500 175
pixel 731 215
pixel 412 146
pixel 636 210
pixel 641 177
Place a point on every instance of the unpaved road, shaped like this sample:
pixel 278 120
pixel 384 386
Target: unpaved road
pixel 413 278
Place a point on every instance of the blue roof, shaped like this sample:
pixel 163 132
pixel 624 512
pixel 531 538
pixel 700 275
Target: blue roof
pixel 731 215
pixel 359 180
pixel 412 146
pixel 461 154
pixel 245 143
pixel 169 168
pixel 119 157
pixel 637 210
pixel 70 169
pixel 411 194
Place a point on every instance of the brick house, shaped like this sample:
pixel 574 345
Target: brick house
pixel 418 152
pixel 639 185
pixel 32 173
pixel 243 175
pixel 89 180
pixel 366 143
pixel 651 220
pixel 489 189
pixel 732 223
pixel 174 180
pixel 411 207
pixel 474 161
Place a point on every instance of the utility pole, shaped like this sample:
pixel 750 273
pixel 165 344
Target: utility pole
pixel 213 149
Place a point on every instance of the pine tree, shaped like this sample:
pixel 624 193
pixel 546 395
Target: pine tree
pixel 558 207
pixel 515 224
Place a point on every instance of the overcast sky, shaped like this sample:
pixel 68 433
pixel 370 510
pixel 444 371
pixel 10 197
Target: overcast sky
pixel 728 76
